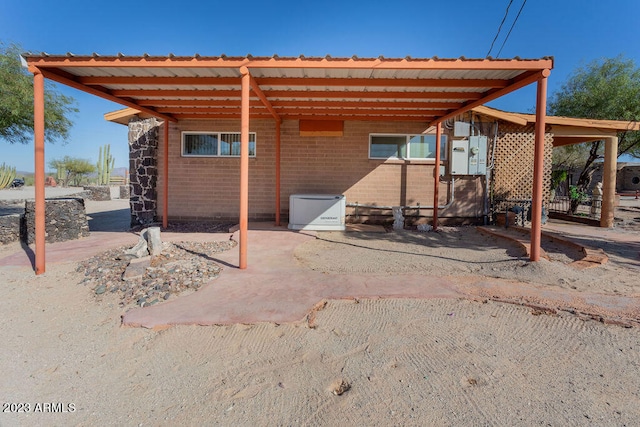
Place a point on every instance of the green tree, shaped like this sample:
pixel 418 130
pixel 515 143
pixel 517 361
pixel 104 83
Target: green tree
pixel 607 89
pixel 71 170
pixel 16 102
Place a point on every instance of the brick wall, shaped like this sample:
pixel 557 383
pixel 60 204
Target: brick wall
pixel 207 188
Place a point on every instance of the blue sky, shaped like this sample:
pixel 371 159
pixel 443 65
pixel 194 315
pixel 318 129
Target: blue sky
pixel 574 32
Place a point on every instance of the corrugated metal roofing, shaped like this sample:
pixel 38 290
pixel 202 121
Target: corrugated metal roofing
pixel 176 87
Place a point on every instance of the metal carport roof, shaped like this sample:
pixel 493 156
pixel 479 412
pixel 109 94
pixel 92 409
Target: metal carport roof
pixel 172 88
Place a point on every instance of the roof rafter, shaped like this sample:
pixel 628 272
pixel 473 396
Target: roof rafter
pixel 294 81
pixel 290 111
pixel 105 94
pixel 275 104
pixel 362 117
pixel 183 93
pixel 521 82
pixel 256 89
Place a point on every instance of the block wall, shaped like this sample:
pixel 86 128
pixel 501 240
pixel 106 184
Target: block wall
pixel 207 188
pixel 629 178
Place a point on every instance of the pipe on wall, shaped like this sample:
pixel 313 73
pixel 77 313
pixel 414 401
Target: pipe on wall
pixel 449 203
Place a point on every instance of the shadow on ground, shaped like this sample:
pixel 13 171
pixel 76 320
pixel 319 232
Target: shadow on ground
pixel 114 221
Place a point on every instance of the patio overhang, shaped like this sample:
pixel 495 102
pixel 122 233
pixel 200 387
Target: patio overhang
pixel 174 88
pixel 570 131
pixel 567 130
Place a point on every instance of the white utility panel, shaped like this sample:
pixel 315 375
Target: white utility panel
pixel 317 212
pixel 459 159
pixel 469 156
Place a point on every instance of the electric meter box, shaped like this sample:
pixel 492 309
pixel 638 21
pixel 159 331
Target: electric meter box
pixel 469 156
pixel 477 155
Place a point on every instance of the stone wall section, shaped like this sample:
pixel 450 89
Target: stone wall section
pixel 10 228
pixel 65 219
pixel 97 192
pixel 143 170
pixel 124 191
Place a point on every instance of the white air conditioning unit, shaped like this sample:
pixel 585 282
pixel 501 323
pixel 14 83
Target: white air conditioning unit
pixel 317 212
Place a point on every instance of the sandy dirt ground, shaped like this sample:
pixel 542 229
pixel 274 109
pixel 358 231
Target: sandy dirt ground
pixel 398 361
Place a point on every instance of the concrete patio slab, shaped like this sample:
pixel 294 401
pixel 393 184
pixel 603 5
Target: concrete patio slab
pixel 276 288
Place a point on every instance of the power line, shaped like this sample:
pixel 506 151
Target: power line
pixel 504 18
pixel 512 25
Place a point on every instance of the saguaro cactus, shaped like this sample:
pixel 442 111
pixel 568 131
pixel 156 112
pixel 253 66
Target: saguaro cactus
pixel 105 165
pixel 7 175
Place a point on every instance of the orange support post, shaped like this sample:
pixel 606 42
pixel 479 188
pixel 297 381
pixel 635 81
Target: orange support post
pixel 244 165
pixel 436 176
pixel 277 172
pixel 538 168
pixel 38 128
pixel 165 183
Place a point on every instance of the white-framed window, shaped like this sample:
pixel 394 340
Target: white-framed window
pixel 402 146
pixel 215 144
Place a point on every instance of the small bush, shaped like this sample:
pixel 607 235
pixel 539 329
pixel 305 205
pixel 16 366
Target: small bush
pixel 576 194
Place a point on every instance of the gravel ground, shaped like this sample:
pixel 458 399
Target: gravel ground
pixel 181 268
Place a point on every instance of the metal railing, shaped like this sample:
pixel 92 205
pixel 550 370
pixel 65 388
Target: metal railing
pixel 590 207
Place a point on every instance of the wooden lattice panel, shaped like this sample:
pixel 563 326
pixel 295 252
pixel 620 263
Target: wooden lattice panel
pixel 513 170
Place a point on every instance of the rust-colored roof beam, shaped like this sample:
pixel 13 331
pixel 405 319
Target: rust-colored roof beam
pixel 294 110
pixel 176 93
pixel 319 116
pixel 159 81
pixel 367 118
pixel 368 104
pixel 195 102
pixel 101 92
pixel 229 109
pixel 221 116
pixel 363 111
pixel 526 80
pixel 276 104
pixel 371 94
pixel 256 89
pixel 289 82
pixel 381 82
pixel 179 93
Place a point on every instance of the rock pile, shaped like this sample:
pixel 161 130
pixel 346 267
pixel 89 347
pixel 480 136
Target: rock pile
pixel 147 280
